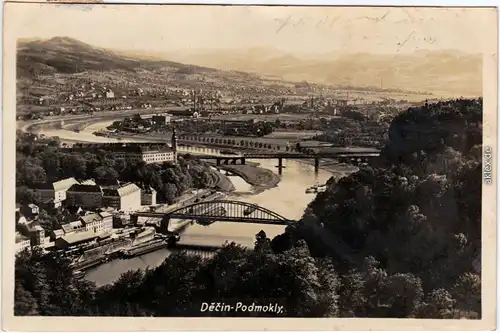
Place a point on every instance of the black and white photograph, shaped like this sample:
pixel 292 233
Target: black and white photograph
pixel 251 162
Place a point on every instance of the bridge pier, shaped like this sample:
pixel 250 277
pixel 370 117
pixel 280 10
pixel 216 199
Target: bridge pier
pixel 242 160
pixel 217 161
pixel 280 166
pixel 164 224
pixel 316 165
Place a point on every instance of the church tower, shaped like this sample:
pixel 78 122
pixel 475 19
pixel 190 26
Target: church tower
pixel 174 143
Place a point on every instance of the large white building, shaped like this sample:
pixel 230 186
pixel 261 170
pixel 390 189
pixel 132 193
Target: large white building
pixel 148 153
pixel 54 193
pixel 124 198
pixel 97 222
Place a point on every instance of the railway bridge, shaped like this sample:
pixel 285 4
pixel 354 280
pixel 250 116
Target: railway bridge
pixel 208 212
pixel 358 157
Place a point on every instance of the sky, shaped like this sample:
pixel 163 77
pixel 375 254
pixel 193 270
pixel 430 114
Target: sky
pixel 300 30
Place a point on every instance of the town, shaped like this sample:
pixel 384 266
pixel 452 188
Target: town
pixel 95 224
pixel 156 171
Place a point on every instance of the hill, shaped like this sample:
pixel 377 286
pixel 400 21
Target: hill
pixel 68 55
pixel 61 68
pixel 446 72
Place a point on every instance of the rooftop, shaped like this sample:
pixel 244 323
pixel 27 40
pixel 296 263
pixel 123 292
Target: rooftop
pixel 148 189
pixel 89 218
pixel 20 238
pixel 68 227
pixel 79 237
pixel 84 188
pixel 88 182
pixel 105 214
pixel 64 184
pixel 127 189
pixel 115 191
pixel 58 232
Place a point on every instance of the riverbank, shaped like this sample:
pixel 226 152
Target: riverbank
pixel 260 178
pixel 220 182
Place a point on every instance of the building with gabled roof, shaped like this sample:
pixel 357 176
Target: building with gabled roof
pixel 22 242
pixel 124 198
pixel 87 196
pixel 92 222
pixel 75 239
pixel 148 152
pixel 148 196
pixel 72 227
pixel 54 193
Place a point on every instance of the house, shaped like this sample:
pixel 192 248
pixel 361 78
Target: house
pixel 87 196
pixel 30 210
pixel 107 221
pixel 92 222
pixel 22 242
pixel 71 227
pixel 110 94
pixel 57 233
pixel 123 198
pixel 54 193
pixel 160 120
pixel 148 196
pixel 20 218
pixel 34 232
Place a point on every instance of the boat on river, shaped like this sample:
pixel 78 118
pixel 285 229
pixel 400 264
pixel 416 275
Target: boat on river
pixel 77 274
pixel 316 189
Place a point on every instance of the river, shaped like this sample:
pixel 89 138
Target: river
pixel 288 199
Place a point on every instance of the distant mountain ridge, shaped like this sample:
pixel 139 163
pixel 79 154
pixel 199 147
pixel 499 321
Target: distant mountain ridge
pixel 447 71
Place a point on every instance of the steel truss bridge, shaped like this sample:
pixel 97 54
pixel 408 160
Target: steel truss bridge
pixel 219 210
pixel 351 157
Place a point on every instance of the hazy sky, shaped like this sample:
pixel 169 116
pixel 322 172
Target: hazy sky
pixel 163 29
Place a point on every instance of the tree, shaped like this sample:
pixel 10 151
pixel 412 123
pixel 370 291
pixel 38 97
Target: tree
pixel 24 302
pixel 262 243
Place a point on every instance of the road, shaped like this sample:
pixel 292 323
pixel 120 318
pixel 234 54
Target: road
pixel 97 116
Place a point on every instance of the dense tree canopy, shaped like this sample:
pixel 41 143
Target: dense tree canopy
pixel 420 213
pixel 38 164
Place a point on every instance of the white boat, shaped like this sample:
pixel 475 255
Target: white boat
pixel 311 190
pixel 321 188
pixel 316 189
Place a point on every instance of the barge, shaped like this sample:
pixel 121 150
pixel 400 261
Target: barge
pixel 144 248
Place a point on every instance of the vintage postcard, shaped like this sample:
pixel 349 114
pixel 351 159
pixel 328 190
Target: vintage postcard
pixel 203 167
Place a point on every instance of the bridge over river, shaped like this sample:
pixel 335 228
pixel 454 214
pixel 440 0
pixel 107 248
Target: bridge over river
pixel 207 212
pixel 342 155
pixel 221 211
